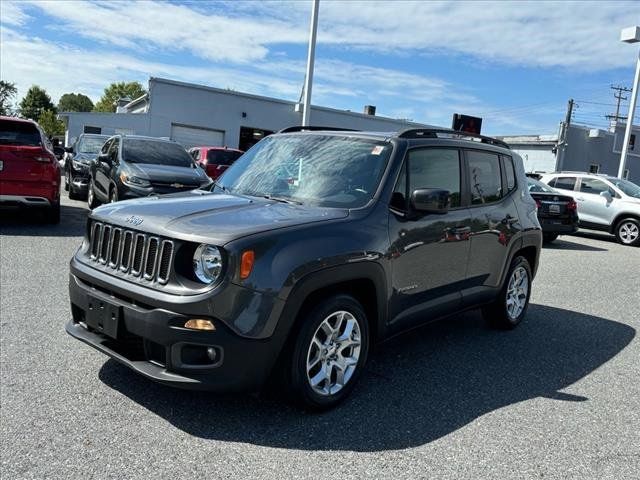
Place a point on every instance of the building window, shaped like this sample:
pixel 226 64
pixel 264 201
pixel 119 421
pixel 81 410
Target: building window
pixel 88 129
pixel 594 168
pixel 250 136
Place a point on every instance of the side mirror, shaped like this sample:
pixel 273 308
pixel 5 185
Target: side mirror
pixel 607 194
pixel 104 158
pixel 68 149
pixel 430 200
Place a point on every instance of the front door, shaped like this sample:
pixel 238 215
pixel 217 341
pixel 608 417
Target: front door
pixel 429 251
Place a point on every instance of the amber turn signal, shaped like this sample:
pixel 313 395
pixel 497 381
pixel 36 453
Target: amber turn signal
pixel 246 263
pixel 199 324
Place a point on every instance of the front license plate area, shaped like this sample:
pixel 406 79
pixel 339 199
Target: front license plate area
pixel 103 316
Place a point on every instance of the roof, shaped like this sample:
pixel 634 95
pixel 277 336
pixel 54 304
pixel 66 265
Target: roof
pixel 278 100
pixel 16 119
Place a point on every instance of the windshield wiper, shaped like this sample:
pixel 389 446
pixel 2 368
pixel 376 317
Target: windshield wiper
pixel 282 199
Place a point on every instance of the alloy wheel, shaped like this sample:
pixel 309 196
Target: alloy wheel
pixel 517 292
pixel 628 232
pixel 332 357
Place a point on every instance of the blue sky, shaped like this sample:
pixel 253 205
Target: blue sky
pixel 513 63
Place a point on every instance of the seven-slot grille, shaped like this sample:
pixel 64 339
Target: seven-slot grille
pixel 133 253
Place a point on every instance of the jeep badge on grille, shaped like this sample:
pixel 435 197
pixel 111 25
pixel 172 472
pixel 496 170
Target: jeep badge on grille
pixel 133 220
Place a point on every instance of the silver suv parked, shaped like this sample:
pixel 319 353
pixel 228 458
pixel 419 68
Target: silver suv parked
pixel 604 203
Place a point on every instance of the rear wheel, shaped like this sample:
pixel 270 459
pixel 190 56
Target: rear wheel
pixel 549 237
pixel 67 180
pixel 508 310
pixel 628 232
pixel 330 352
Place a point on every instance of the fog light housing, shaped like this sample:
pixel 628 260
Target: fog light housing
pixel 200 324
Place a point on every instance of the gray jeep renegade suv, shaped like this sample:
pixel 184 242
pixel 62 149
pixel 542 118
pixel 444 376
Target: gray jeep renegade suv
pixel 311 248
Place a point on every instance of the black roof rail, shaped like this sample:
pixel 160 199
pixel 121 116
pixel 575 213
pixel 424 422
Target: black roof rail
pixel 314 128
pixel 433 133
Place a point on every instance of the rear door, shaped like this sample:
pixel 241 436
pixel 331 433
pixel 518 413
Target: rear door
pixel 23 160
pixel 592 206
pixel 494 219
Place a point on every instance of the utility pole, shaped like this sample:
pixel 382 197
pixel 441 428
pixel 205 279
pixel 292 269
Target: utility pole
pixel 308 81
pixel 564 131
pixel 619 98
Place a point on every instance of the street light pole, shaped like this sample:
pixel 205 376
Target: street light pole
pixel 630 35
pixel 308 80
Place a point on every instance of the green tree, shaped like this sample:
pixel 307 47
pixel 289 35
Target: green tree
pixel 118 90
pixel 50 123
pixel 36 101
pixel 74 102
pixel 8 91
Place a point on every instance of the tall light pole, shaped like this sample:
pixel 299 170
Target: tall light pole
pixel 308 79
pixel 630 35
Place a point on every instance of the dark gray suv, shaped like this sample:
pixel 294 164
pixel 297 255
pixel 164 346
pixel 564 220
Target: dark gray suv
pixel 311 248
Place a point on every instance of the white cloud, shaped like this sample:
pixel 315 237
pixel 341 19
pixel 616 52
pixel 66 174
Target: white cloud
pixel 568 35
pixel 11 13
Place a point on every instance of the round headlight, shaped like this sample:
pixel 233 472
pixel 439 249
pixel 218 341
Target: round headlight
pixel 207 263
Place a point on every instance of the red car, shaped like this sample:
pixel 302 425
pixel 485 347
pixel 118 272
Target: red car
pixel 29 170
pixel 215 160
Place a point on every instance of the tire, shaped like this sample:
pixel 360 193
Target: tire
pixel 328 319
pixel 53 214
pixel 73 195
pixel 549 237
pixel 92 201
pixel 67 178
pixel 499 314
pixel 628 231
pixel 113 195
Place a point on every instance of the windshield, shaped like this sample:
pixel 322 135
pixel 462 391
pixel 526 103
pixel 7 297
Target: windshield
pixel 156 153
pixel 19 133
pixel 222 157
pixel 627 187
pixel 331 171
pixel 537 186
pixel 91 144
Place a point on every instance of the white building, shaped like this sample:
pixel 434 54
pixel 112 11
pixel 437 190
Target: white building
pixel 199 115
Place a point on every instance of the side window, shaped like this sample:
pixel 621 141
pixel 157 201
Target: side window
pixel 113 150
pixel 399 196
pixel 510 173
pixel 435 168
pixel 564 183
pixel 594 186
pixel 485 181
pixel 106 146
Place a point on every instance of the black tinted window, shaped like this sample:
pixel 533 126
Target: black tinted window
pixel 565 183
pixel 435 168
pixel 222 157
pixel 156 153
pixel 485 181
pixel 19 133
pixel 510 173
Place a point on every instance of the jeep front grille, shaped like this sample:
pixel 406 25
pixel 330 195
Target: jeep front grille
pixel 134 254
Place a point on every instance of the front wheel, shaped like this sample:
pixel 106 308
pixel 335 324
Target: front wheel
pixel 628 232
pixel 508 310
pixel 330 352
pixel 92 201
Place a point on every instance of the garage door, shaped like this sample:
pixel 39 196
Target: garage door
pixel 194 136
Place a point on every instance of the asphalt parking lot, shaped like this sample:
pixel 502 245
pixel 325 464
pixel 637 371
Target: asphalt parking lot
pixel 557 398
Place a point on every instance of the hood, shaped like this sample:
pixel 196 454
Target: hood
pixel 210 217
pixel 168 173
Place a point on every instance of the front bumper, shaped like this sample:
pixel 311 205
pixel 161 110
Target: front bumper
pixel 153 342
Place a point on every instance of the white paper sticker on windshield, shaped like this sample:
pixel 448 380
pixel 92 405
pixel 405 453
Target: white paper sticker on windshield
pixel 377 150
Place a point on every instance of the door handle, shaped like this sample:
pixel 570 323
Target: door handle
pixel 580 199
pixel 509 220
